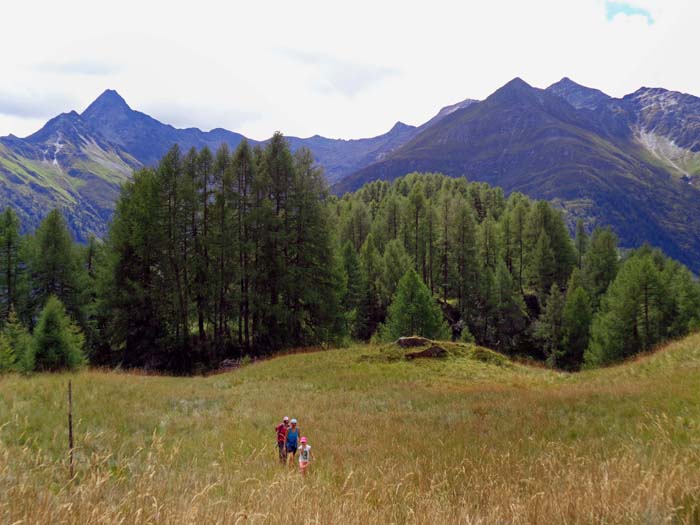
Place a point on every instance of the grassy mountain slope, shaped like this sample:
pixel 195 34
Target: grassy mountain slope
pixel 533 141
pixel 473 438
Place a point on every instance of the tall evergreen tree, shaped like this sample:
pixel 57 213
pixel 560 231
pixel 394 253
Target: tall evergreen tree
pixel 414 311
pixel 55 268
pixel 355 289
pixel 600 263
pixel 629 320
pixel 543 266
pixel 372 310
pixel 576 325
pixel 396 262
pixel 508 308
pixel 10 263
pixel 549 328
pixel 464 264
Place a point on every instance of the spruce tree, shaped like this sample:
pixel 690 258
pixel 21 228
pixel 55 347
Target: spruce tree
pixel 464 265
pixel 509 318
pixel 600 263
pixel 8 360
pixel 396 262
pixel 543 266
pixel 629 320
pixel 518 225
pixel 549 329
pixel 58 343
pixel 10 263
pixel 577 316
pixel 355 287
pixel 414 311
pixel 20 342
pixel 55 267
pixel 372 310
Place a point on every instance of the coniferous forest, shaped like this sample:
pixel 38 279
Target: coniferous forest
pixel 244 253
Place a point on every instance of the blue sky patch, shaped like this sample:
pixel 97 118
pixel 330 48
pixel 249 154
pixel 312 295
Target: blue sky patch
pixel 612 9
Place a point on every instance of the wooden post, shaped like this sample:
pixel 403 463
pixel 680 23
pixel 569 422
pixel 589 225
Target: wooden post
pixel 70 428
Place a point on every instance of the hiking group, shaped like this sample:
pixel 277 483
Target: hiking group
pixel 289 443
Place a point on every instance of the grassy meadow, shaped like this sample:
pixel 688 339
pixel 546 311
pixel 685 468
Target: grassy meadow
pixel 472 438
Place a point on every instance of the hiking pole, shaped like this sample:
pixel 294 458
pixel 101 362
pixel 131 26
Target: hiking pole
pixel 70 428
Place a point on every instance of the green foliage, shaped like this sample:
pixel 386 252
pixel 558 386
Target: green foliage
pixel 8 360
pixel 20 342
pixel 212 256
pixel 543 266
pixel 355 288
pixel 581 241
pixel 549 328
pixel 10 262
pixel 217 255
pixel 577 317
pixel 650 300
pixel 58 342
pixel 396 262
pixel 600 263
pixel 56 269
pixel 414 311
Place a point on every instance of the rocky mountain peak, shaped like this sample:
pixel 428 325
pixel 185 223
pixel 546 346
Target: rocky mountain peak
pixel 108 103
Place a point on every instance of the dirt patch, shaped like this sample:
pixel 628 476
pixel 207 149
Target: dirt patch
pixel 432 352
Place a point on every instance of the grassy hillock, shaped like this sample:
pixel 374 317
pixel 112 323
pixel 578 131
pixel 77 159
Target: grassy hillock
pixel 467 438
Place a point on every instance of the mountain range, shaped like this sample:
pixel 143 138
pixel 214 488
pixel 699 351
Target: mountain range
pixel 632 162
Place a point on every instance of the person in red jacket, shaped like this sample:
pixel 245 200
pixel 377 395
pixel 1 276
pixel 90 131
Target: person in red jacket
pixel 282 439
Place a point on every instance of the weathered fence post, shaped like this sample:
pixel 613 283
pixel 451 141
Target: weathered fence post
pixel 70 428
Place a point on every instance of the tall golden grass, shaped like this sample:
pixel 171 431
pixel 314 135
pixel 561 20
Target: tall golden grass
pixel 460 441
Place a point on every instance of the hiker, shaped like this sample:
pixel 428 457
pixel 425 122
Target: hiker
pixel 304 456
pixel 292 440
pixel 282 439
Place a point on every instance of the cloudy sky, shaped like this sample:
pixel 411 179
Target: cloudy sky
pixel 346 70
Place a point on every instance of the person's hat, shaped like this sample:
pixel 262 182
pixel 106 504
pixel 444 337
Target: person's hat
pixel 303 440
pixel 294 421
pixel 286 418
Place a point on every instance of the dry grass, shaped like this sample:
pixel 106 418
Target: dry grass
pixel 456 441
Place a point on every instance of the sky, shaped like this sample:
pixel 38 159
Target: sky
pixel 338 69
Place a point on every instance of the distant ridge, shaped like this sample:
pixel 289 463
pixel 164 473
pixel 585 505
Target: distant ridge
pixel 632 163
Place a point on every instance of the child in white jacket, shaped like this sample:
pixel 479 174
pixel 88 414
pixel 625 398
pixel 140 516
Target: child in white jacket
pixel 304 456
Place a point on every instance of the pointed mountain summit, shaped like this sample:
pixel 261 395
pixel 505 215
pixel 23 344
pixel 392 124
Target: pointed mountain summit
pixel 581 97
pixel 515 90
pixel 108 103
pixel 400 126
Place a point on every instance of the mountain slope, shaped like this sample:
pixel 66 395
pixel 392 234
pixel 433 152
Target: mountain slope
pixel 577 95
pixel 77 162
pixel 589 161
pixel 633 163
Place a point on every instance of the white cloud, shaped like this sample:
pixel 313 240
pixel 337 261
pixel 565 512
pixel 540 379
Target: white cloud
pixel 354 69
pixel 331 75
pixel 33 104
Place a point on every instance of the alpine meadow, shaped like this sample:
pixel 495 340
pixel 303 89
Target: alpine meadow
pixel 481 306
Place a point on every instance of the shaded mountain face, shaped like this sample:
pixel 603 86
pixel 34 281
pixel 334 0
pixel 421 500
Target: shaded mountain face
pixel 577 95
pixel 611 165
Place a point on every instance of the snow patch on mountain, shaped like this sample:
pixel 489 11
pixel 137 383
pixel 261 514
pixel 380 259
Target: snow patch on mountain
pixel 684 162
